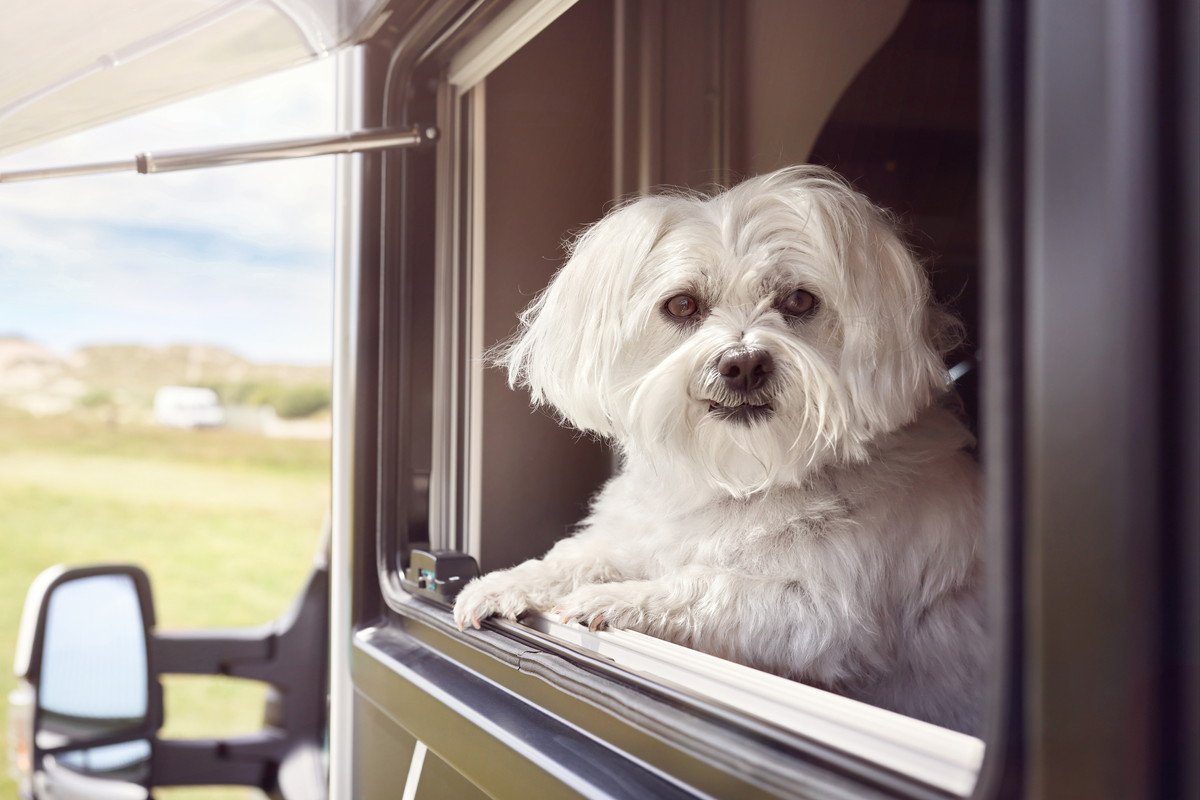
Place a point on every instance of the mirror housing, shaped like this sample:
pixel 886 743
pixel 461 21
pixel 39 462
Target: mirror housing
pixel 88 702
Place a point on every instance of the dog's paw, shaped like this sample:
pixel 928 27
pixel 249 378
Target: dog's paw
pixel 492 595
pixel 604 605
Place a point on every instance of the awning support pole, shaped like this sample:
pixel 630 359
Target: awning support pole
pixel 148 163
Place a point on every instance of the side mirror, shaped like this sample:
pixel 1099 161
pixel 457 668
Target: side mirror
pixel 84 718
pixel 91 704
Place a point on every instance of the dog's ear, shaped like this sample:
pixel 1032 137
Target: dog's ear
pixel 894 336
pixel 570 337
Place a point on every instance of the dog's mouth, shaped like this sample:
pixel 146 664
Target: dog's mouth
pixel 744 413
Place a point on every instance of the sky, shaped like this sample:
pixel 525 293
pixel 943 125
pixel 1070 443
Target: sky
pixel 240 257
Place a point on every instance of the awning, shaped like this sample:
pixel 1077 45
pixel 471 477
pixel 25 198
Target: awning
pixel 66 65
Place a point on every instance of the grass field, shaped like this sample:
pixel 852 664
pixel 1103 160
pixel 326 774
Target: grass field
pixel 225 523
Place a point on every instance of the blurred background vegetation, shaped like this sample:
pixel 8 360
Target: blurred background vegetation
pixel 226 522
pixel 288 402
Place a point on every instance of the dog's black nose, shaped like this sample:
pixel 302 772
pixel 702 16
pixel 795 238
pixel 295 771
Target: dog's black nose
pixel 746 370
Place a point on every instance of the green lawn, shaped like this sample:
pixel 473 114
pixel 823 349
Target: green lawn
pixel 225 523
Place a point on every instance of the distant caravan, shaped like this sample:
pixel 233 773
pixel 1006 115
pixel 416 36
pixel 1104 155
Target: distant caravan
pixel 188 407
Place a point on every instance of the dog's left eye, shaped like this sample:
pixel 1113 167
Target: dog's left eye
pixel 682 306
pixel 798 303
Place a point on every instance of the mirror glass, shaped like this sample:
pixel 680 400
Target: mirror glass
pixel 93 680
pixel 127 761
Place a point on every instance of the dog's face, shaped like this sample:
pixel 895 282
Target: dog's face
pixel 745 338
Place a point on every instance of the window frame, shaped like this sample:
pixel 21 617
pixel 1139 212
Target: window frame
pixel 616 688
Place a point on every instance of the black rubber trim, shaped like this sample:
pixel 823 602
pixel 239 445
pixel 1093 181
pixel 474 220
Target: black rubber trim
pixel 1003 390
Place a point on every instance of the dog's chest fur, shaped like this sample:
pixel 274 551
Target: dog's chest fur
pixel 889 546
pixel 766 537
pixel 852 525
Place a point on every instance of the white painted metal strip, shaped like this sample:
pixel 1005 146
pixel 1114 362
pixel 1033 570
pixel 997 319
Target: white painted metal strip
pixel 345 341
pixel 414 771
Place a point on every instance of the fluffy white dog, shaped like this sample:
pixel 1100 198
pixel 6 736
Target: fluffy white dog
pixel 794 494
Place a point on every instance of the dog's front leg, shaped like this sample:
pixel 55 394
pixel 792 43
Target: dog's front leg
pixel 775 624
pixel 535 584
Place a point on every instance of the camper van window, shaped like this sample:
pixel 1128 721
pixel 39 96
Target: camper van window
pixel 531 156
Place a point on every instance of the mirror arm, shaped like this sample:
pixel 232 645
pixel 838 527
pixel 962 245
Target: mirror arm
pixel 290 654
pixel 212 652
pixel 241 761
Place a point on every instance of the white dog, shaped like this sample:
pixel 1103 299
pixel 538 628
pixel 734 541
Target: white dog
pixel 793 495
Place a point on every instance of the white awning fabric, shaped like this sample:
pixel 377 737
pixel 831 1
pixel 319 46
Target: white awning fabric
pixel 66 65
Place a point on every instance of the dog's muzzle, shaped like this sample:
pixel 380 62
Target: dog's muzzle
pixel 746 413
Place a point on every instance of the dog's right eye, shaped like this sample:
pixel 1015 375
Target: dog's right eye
pixel 682 306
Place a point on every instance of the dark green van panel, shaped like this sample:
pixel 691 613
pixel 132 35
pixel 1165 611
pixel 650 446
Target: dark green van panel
pixel 384 759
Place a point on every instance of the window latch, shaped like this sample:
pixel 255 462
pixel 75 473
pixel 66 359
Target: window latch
pixel 438 575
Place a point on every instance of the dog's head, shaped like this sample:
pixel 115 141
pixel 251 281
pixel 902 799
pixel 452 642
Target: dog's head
pixel 747 337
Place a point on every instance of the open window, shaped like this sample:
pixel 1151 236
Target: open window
pixel 548 135
pixel 551 113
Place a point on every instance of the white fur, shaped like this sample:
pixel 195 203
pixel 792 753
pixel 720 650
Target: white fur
pixel 834 542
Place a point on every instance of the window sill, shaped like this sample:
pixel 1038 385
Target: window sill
pixel 935 756
pixel 718 712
